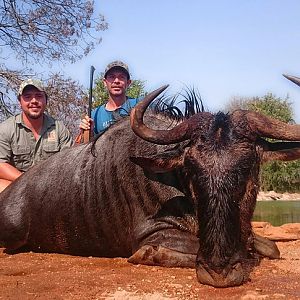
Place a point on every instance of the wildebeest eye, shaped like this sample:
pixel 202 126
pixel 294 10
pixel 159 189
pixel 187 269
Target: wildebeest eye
pixel 185 144
pixel 203 138
pixel 200 147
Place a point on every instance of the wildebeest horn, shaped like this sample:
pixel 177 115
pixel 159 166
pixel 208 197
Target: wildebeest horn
pixel 162 137
pixel 293 79
pixel 265 126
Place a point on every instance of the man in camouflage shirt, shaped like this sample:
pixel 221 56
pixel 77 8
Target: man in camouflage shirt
pixel 31 136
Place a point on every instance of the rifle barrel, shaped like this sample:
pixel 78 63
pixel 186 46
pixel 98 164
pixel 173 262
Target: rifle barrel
pixel 91 91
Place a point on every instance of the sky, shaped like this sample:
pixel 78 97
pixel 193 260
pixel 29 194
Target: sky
pixel 224 48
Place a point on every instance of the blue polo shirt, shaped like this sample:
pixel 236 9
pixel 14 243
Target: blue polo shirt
pixel 104 118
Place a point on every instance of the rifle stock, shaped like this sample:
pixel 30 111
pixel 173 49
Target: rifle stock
pixel 86 136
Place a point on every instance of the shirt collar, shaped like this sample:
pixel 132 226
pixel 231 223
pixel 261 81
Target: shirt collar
pixel 48 121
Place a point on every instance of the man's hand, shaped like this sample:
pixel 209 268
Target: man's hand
pixel 86 130
pixel 87 124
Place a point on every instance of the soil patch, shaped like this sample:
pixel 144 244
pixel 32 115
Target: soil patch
pixel 55 276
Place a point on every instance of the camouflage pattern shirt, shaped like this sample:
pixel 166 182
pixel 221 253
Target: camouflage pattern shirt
pixel 19 147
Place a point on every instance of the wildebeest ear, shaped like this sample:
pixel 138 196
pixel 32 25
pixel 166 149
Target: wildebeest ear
pixel 283 155
pixel 284 151
pixel 159 163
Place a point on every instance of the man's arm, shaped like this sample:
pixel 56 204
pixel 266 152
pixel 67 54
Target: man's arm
pixel 9 172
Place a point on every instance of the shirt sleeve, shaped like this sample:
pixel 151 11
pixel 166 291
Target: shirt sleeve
pixel 5 144
pixel 65 138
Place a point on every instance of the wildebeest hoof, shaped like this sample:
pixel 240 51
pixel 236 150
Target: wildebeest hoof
pixel 143 256
pixel 265 247
pixel 235 276
pixel 161 256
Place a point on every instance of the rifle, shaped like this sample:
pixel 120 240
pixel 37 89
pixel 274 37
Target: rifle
pixel 87 134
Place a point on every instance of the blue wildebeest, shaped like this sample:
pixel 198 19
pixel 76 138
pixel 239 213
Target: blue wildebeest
pixel 178 196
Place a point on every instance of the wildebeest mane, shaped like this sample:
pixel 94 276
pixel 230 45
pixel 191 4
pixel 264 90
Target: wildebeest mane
pixel 219 130
pixel 169 106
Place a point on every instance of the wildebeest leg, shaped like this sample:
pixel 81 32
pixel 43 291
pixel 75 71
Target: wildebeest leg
pixel 14 222
pixel 169 238
pixel 13 239
pixel 159 255
pixel 169 247
pixel 265 247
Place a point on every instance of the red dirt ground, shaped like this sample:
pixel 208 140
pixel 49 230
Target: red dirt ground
pixel 55 276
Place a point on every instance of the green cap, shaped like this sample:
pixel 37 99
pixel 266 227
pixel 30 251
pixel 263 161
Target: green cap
pixel 117 64
pixel 34 82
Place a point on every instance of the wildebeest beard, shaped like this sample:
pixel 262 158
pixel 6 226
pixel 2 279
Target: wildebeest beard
pixel 215 172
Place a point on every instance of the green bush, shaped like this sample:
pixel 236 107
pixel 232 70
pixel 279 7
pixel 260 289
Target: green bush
pixel 281 176
pixel 274 175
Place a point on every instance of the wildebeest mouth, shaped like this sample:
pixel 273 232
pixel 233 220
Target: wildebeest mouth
pixel 232 276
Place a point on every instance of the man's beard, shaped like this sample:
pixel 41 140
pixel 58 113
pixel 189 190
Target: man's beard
pixel 34 115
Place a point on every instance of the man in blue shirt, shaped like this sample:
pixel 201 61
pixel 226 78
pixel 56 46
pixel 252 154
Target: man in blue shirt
pixel 116 80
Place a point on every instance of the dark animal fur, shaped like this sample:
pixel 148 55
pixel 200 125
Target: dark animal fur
pixel 177 197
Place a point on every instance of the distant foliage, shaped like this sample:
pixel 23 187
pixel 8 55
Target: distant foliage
pixel 9 84
pixel 281 176
pixel 42 32
pixel 275 175
pixel 100 94
pixel 273 106
pixel 49 30
pixel 68 101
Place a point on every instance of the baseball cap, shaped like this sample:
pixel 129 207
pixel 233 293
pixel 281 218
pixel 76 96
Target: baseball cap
pixel 34 82
pixel 117 64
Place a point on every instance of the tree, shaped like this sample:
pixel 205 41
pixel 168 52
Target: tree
pixel 269 104
pixel 43 31
pixel 9 81
pixel 275 175
pixel 68 101
pixel 100 94
pixel 237 103
pixel 49 30
pixel 273 106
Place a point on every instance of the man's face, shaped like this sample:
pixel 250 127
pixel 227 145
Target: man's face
pixel 116 82
pixel 33 102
